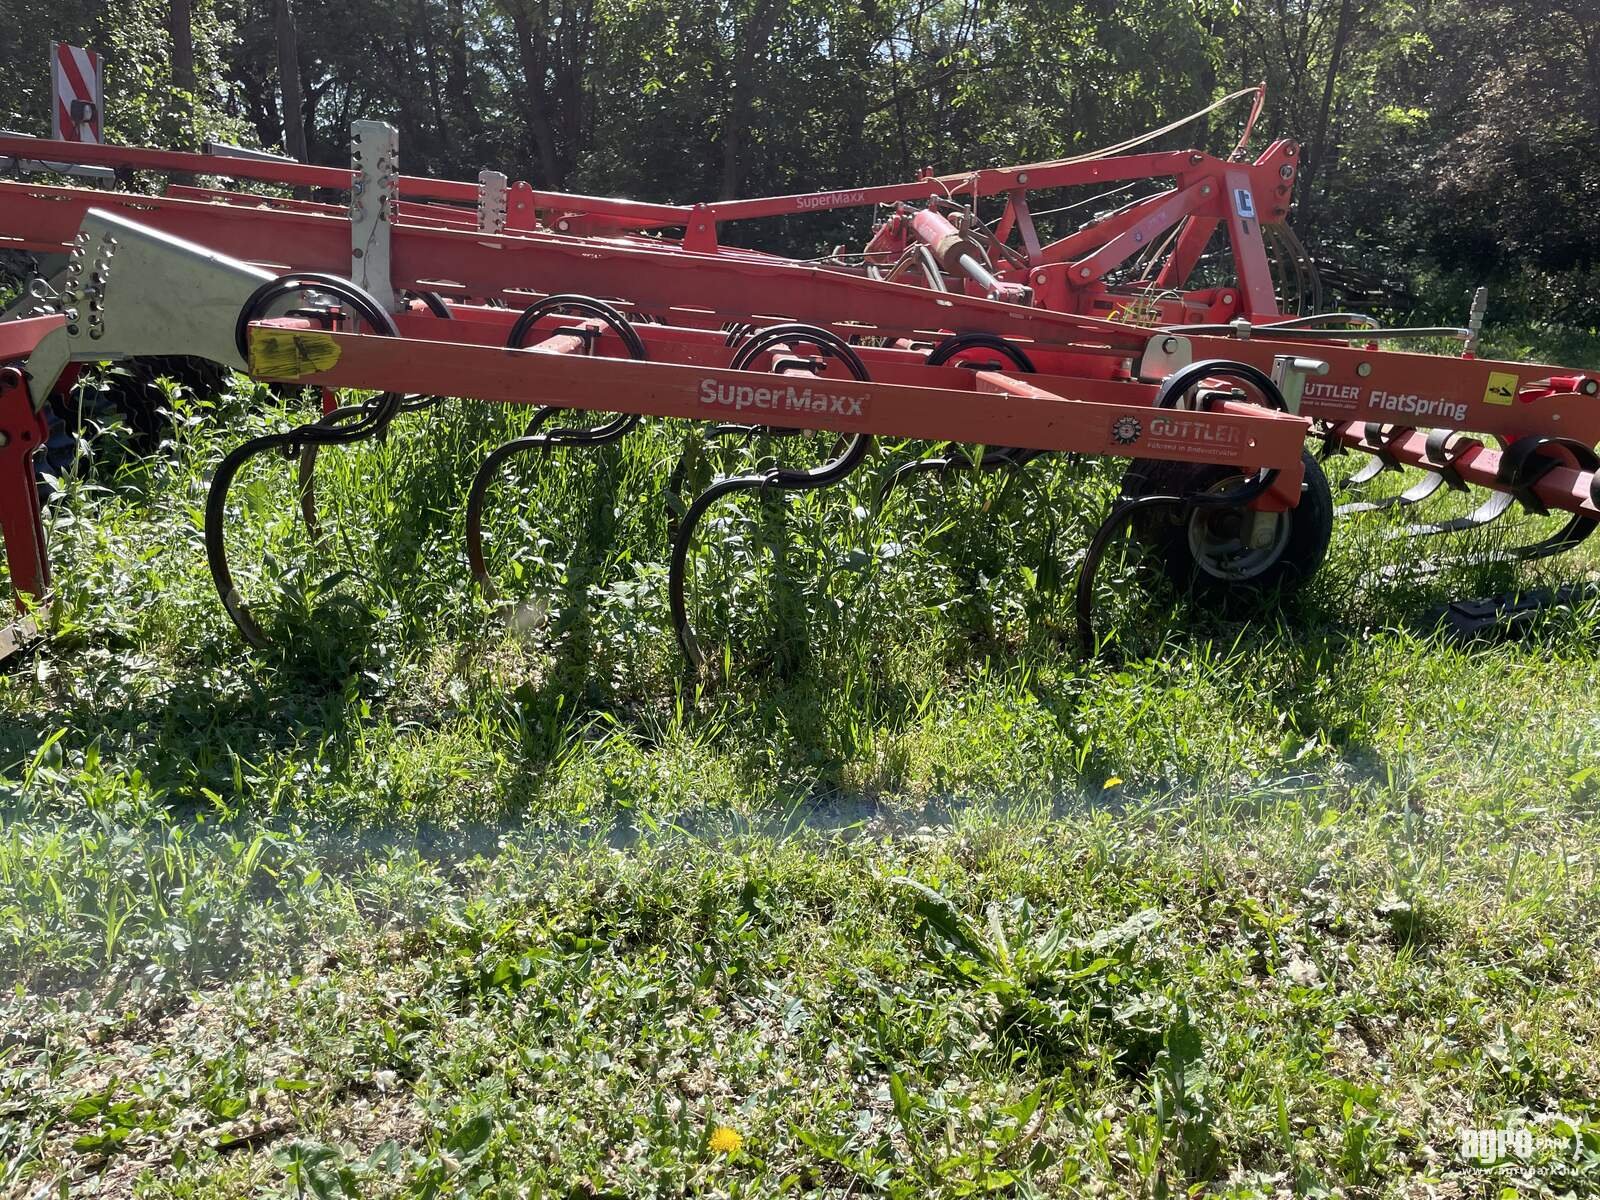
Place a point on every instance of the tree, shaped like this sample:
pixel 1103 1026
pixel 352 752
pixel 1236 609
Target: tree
pixel 294 130
pixel 743 87
pixel 181 28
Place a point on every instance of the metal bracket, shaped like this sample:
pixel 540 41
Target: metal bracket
pixel 1480 307
pixel 1289 373
pixel 492 202
pixel 374 207
pixel 129 290
pixel 1164 354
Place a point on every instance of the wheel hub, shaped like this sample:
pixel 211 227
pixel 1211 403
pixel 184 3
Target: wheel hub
pixel 1236 543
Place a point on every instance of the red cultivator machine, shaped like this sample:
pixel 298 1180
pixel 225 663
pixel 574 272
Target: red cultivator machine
pixel 1176 329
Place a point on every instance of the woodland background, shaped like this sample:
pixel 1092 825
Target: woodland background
pixel 1448 142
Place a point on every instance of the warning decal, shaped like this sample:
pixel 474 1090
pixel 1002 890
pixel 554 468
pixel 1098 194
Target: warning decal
pixel 1502 388
pixel 290 354
pixel 77 91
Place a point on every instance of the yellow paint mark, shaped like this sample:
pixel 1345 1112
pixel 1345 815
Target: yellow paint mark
pixel 1502 388
pixel 291 354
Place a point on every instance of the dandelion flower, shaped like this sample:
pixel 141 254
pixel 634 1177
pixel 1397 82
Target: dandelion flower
pixel 1114 781
pixel 725 1140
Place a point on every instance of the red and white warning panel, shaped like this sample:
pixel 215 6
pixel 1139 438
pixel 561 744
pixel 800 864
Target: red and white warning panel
pixel 76 90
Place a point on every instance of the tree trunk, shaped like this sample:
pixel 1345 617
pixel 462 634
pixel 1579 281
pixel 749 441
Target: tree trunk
pixel 535 110
pixel 458 77
pixel 180 27
pixel 1319 143
pixel 742 93
pixel 294 130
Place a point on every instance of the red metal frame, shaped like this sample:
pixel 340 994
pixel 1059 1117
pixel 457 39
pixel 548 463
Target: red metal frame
pixel 683 378
pixel 1062 302
pixel 22 432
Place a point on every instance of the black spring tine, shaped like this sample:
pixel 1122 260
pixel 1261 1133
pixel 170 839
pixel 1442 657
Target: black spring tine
pixel 841 466
pixel 562 436
pixel 1121 516
pixel 954 457
pixel 306 471
pixel 1571 535
pixel 354 423
pixel 1003 458
pixel 1430 483
pixel 341 427
pixel 1490 511
pixel 834 471
pixel 477 495
pixel 1172 390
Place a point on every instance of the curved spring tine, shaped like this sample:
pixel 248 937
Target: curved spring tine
pixel 352 424
pixel 1430 483
pixel 1367 473
pixel 955 458
pixel 306 472
pixel 1568 537
pixel 744 433
pixel 1491 510
pixel 603 435
pixel 779 478
pixel 848 454
pixel 1000 458
pixel 564 435
pixel 1121 515
pixel 341 427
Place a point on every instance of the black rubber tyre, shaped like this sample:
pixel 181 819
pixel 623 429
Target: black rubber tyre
pixel 1194 551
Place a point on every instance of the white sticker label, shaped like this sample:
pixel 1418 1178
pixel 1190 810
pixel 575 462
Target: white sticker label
pixel 1244 204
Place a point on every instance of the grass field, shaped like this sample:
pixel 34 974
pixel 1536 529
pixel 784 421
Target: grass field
pixel 902 897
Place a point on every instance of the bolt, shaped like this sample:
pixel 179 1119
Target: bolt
pixel 1084 273
pixel 1227 297
pixel 1169 345
pixel 1022 177
pixel 1205 190
pixel 1364 370
pixel 1138 238
pixel 1286 171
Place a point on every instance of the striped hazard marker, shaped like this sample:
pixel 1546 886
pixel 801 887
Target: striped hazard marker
pixel 76 89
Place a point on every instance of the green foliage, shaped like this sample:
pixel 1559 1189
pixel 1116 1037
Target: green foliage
pixel 1449 139
pixel 905 896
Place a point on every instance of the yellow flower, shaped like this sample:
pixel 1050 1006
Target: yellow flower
pixel 725 1140
pixel 1114 781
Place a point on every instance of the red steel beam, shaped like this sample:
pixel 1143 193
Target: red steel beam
pixel 142 158
pixel 1564 488
pixel 286 351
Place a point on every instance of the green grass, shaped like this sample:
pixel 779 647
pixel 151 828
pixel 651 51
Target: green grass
pixel 902 891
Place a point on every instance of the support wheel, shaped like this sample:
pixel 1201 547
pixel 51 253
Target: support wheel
pixel 1230 550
